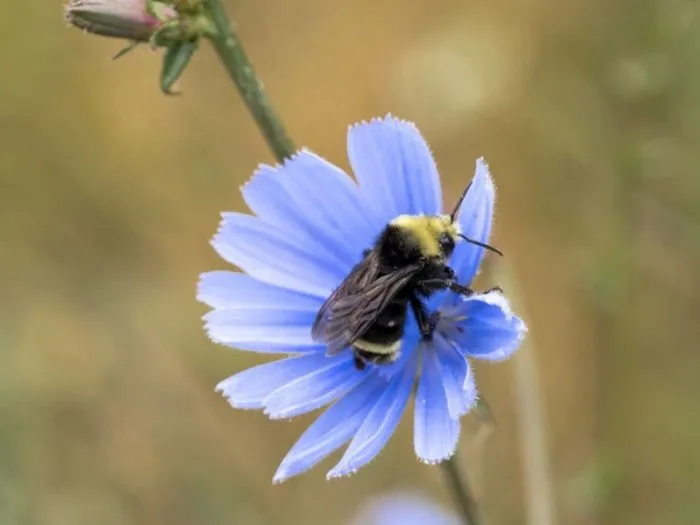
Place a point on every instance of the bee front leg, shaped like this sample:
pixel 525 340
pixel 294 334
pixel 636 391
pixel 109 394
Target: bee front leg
pixel 430 285
pixel 426 325
pixel 461 290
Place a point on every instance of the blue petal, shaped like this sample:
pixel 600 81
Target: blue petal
pixel 273 331
pixel 475 219
pixel 379 424
pixel 275 256
pixel 238 291
pixel 488 329
pixel 457 377
pixel 309 196
pixel 320 387
pixel 249 388
pixel 332 429
pixel 435 432
pixel 394 168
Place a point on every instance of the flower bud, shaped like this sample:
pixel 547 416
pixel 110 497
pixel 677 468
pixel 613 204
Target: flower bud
pixel 128 19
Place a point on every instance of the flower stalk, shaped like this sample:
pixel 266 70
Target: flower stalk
pixel 459 489
pixel 234 58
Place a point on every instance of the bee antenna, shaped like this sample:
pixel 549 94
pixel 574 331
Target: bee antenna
pixel 483 245
pixel 453 215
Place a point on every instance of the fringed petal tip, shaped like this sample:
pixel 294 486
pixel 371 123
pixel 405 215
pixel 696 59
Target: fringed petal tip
pixel 282 475
pixel 210 333
pixel 495 298
pixel 482 164
pixel 337 473
pixel 290 468
pixel 200 294
pixel 498 299
pixel 211 329
pixel 457 307
pixel 223 231
pixel 446 452
pixel 220 227
pixel 483 169
pixel 437 461
pixel 222 389
pixel 490 190
pixel 389 117
pixel 264 168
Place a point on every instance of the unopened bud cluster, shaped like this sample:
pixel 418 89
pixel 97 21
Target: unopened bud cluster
pixel 176 25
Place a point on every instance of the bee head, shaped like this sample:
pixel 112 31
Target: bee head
pixel 437 235
pixel 432 235
pixel 446 232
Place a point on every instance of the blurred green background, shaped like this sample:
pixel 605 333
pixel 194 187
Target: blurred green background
pixel 589 115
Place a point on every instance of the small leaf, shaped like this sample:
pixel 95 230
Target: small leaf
pixel 175 60
pixel 125 50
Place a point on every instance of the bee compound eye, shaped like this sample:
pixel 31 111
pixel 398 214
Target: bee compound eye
pixel 447 243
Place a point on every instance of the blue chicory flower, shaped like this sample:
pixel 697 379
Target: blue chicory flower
pixel 404 509
pixel 311 226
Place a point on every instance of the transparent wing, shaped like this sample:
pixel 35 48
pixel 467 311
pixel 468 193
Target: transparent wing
pixel 356 303
pixel 327 323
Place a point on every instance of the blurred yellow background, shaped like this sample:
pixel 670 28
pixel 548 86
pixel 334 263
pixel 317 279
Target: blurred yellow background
pixel 589 115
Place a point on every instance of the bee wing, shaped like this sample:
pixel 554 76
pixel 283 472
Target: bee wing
pixel 354 306
pixel 359 277
pixel 364 307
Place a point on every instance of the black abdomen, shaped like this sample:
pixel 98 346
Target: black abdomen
pixel 388 328
pixel 381 342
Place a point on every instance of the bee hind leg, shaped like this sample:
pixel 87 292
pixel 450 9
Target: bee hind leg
pixel 359 362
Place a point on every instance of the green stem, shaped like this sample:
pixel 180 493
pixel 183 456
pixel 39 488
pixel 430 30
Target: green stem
pixel 239 68
pixel 237 64
pixel 459 488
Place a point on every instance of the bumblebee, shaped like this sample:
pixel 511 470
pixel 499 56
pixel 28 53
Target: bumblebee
pixel 405 266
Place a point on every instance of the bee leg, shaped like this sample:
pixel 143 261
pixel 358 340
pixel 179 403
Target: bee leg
pixel 494 289
pixel 441 284
pixel 359 362
pixel 425 325
pixel 461 290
